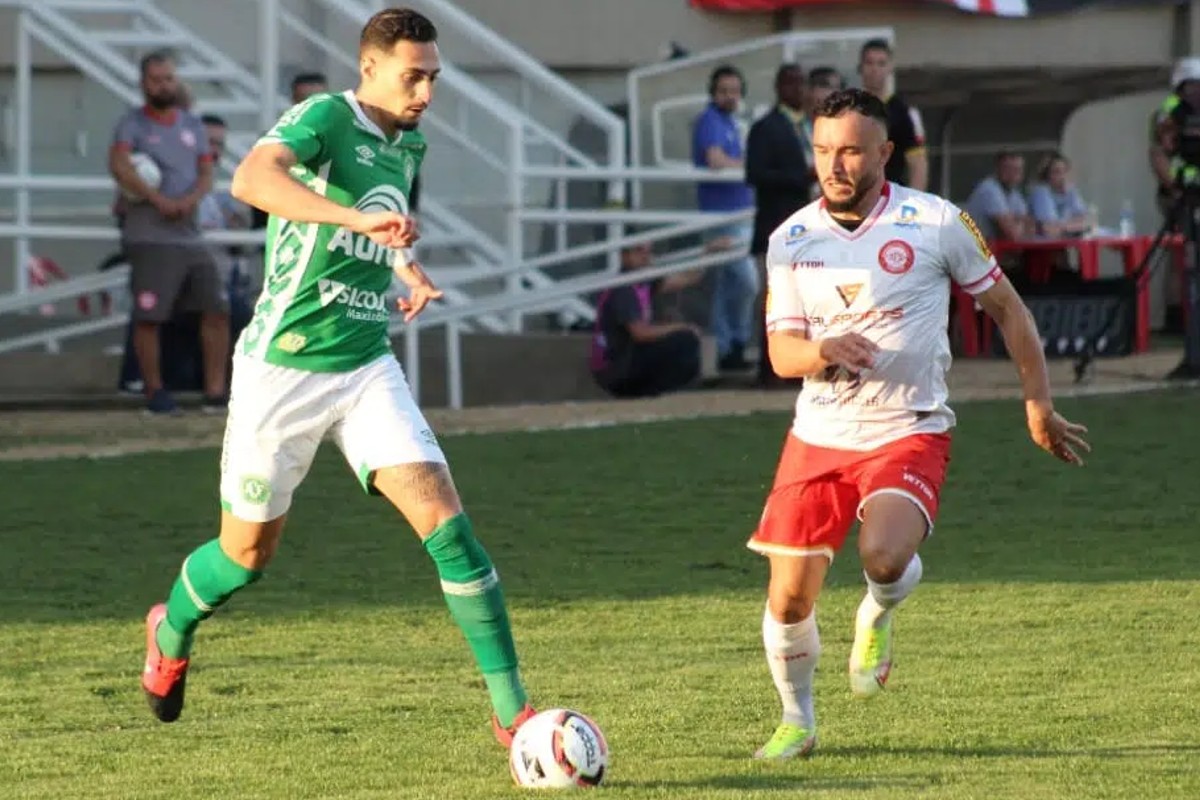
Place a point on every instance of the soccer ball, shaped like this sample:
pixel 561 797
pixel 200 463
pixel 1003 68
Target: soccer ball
pixel 558 749
pixel 146 169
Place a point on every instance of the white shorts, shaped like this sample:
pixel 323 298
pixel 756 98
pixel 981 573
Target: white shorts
pixel 279 415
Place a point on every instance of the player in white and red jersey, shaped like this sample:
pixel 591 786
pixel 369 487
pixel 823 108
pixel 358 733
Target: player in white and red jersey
pixel 859 290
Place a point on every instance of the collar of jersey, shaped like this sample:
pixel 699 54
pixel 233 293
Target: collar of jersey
pixel 367 122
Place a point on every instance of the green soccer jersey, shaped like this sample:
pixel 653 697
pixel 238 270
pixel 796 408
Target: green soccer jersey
pixel 323 306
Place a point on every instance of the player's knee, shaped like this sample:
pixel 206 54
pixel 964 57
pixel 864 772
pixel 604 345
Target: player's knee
pixel 423 492
pixel 882 564
pixel 250 544
pixel 789 605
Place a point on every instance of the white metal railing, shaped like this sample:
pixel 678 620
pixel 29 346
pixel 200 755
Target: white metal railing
pixel 538 299
pixel 490 274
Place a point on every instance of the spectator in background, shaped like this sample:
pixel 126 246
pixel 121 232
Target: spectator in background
pixel 997 205
pixel 219 210
pixel 822 82
pixel 633 356
pixel 909 164
pixel 170 266
pixel 717 145
pixel 306 84
pixel 1055 203
pixel 779 165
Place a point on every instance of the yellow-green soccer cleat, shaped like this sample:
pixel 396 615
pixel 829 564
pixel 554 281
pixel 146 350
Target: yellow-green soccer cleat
pixel 871 658
pixel 788 741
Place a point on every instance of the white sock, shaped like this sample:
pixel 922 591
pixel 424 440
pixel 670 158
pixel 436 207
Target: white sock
pixel 881 598
pixel 792 653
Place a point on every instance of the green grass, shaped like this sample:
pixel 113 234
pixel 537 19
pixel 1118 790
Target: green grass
pixel 1050 652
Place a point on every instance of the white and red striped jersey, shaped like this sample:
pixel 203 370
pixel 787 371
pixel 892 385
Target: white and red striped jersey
pixel 888 280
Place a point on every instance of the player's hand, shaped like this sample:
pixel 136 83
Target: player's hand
pixel 387 228
pixel 851 351
pixel 421 291
pixel 1054 434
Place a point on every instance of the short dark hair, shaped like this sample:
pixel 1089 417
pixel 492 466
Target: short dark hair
pixel 213 119
pixel 1005 154
pixel 825 77
pixel 786 69
pixel 853 100
pixel 395 25
pixel 725 71
pixel 310 77
pixel 874 44
pixel 155 58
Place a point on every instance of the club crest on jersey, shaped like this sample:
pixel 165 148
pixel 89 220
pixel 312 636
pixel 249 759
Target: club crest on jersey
pixel 908 217
pixel 977 234
pixel 849 293
pixel 896 257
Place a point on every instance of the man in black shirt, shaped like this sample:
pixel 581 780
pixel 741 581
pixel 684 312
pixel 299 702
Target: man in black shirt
pixel 633 356
pixel 909 164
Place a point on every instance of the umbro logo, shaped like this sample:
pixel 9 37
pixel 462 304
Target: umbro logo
pixel 366 156
pixel 329 291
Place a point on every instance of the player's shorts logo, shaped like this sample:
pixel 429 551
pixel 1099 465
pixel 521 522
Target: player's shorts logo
pixel 896 257
pixel 255 490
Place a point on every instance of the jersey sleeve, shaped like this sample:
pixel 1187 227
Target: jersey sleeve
pixel 785 308
pixel 125 134
pixel 968 259
pixel 305 128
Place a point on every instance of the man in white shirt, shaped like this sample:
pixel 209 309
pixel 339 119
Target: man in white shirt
pixel 859 287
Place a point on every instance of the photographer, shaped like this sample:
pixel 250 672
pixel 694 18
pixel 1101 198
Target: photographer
pixel 1175 159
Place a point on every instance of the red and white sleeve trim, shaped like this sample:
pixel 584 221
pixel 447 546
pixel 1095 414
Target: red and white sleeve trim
pixel 986 282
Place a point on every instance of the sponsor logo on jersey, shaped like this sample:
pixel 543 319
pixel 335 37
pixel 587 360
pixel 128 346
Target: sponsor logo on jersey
pixel 794 234
pixel 849 292
pixel 856 317
pixel 896 257
pixel 354 245
pixel 365 155
pixel 980 241
pixel 361 304
pixel 808 264
pixel 908 217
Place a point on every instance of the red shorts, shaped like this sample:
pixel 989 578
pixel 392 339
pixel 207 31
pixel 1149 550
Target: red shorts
pixel 819 492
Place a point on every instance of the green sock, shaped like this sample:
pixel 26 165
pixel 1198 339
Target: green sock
pixel 208 578
pixel 476 602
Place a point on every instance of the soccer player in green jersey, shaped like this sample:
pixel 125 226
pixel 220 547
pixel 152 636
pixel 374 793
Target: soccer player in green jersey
pixel 334 174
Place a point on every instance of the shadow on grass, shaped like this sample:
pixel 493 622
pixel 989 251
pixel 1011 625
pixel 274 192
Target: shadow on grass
pixel 617 513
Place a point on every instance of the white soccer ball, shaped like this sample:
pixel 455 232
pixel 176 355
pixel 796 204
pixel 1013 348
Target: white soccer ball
pixel 146 169
pixel 558 749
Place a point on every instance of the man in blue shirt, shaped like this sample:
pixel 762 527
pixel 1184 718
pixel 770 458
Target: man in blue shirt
pixel 717 144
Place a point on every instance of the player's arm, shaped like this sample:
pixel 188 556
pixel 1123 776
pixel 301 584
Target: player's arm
pixel 792 353
pixel 971 265
pixel 264 180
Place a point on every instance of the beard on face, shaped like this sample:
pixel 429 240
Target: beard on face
pixel 162 100
pixel 858 191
